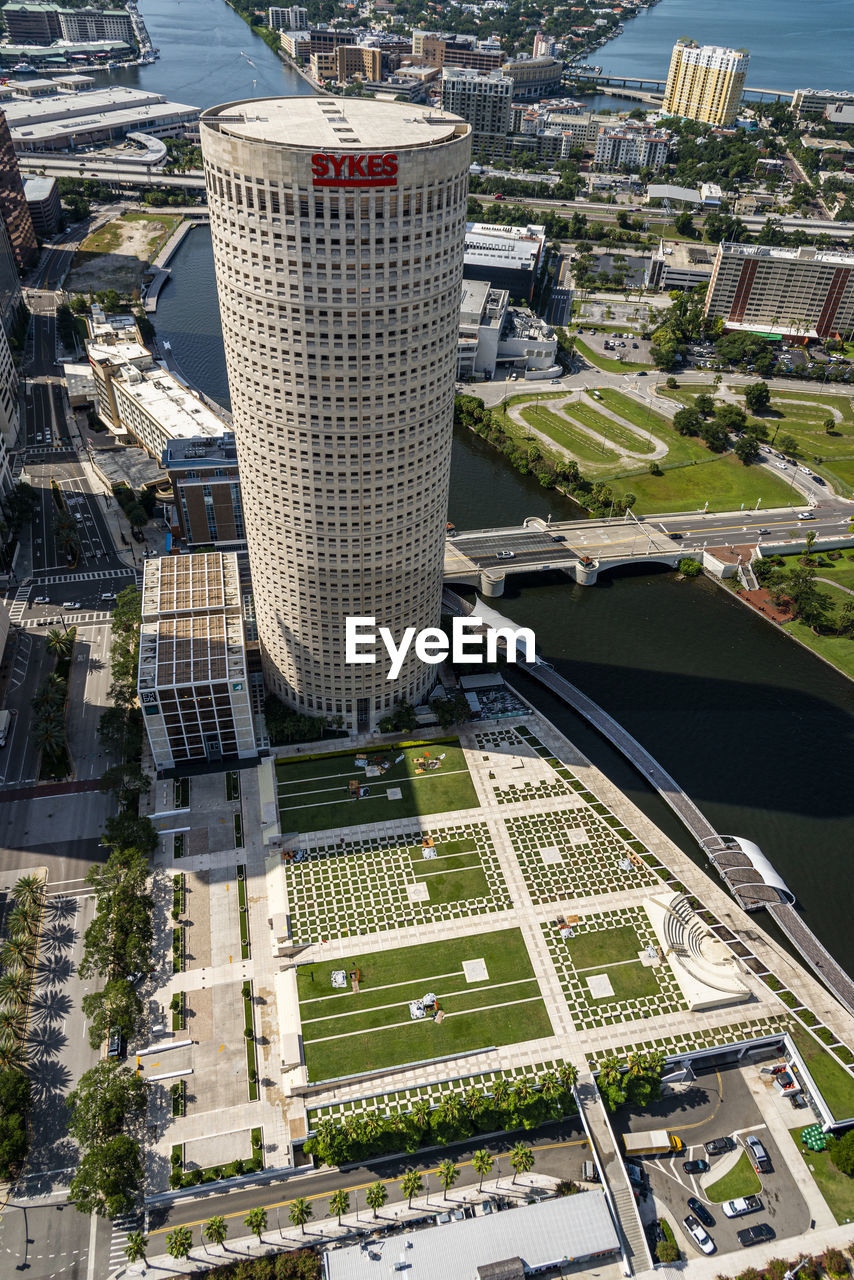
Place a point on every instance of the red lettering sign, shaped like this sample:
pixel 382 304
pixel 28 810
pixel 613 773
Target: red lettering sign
pixel 354 170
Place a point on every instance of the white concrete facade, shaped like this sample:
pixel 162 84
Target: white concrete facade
pixel 338 231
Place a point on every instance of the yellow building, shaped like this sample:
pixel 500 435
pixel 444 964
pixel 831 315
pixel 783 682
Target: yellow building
pixel 705 82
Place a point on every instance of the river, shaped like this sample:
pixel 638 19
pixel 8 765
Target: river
pixel 792 45
pixel 759 731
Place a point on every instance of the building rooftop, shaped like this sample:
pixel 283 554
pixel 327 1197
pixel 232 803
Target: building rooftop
pixel 125 465
pixel 119 351
pixel 831 258
pixel 482 305
pixel 38 188
pixel 200 450
pixel 531 1237
pixel 340 124
pixel 678 253
pixel 511 246
pixel 176 408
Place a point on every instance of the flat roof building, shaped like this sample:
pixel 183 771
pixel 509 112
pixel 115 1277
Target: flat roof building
pixel 798 293
pixel 483 100
pixel 508 257
pixel 206 488
pixel 533 77
pixel 193 682
pixel 677 265
pixel 493 333
pixel 42 196
pixel 516 1243
pixel 67 120
pixel 705 82
pixel 632 145
pixel 816 102
pixel 341 364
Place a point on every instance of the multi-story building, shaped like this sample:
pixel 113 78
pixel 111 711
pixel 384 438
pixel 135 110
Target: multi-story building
pixel 291 19
pixel 483 100
pixel 533 77
pixel 815 102
pixel 44 23
pixel 455 51
pixel 193 681
pixel 206 489
pixel 347 62
pixel 799 293
pixel 297 44
pixel 506 257
pixel 9 421
pixel 705 82
pixel 12 311
pixel 32 23
pixel 676 265
pixel 338 228
pixel 13 203
pixel 64 121
pixel 42 195
pixel 494 333
pixel 544 46
pixel 632 146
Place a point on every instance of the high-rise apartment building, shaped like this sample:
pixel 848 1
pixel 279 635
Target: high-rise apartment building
pixel 338 228
pixel 483 100
pixel 293 18
pixel 632 145
pixel 13 203
pixel 705 82
pixel 800 293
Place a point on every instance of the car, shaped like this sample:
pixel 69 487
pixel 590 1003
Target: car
pixel 505 555
pixel 819 480
pixel 744 1204
pixel 806 515
pixel 758 1155
pixel 71 604
pixel 642 373
pixel 115 1045
pixel 676 537
pixel 635 348
pixel 558 537
pixel 761 531
pixel 695 1166
pixel 42 600
pixel 717 1146
pixel 77 516
pixel 514 377
pixel 38 437
pixel 108 595
pixel 699 1235
pixel 700 1211
pixel 784 466
pixel 806 470
pixel 754 1235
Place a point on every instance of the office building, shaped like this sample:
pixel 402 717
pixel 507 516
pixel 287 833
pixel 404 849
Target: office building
pixel 798 293
pixel 483 100
pixel 817 102
pixel 32 23
pixel 338 228
pixel 9 421
pixel 193 682
pixel 533 77
pixel 206 489
pixel 705 82
pixel 455 51
pixel 42 195
pixel 291 19
pixel 632 146
pixel 493 333
pixel 12 311
pixel 506 257
pixel 677 265
pixel 13 203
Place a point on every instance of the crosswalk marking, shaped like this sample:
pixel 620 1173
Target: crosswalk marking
pixel 91 576
pixel 19 604
pixel 122 1228
pixel 74 617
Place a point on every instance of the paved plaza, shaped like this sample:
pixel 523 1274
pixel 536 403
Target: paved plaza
pixel 395 961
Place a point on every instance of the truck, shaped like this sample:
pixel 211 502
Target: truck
pixel 656 1142
pixel 5 724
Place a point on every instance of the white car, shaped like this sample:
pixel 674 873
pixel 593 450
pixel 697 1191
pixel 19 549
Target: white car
pixel 71 604
pixel 806 515
pixel 745 1204
pixel 42 600
pixel 505 555
pixel 699 1235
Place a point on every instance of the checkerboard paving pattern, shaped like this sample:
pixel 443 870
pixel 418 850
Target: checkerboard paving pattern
pixel 363 886
pixel 585 1009
pixel 401 1101
pixel 596 858
pixel 702 1038
pixel 496 739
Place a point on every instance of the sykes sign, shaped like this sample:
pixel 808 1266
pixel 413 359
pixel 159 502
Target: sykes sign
pixel 354 170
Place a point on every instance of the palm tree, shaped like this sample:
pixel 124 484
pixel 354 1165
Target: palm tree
pixel 521 1092
pixel 12 1023
pixel 500 1094
pixel 339 1203
pixel 215 1230
pixel 636 1063
pixel 447 1173
pixel 14 987
pixel 256 1221
pixel 611 1070
pixel 179 1242
pixel 474 1101
pixel 482 1161
pixel 300 1213
pixel 135 1247
pixel 449 1110
pixel 49 736
pixel 59 643
pixel 549 1084
pixel 411 1184
pixel 29 890
pixel 17 953
pixel 568 1075
pixel 376 1195
pixel 521 1160
pixel 13 1054
pixel 24 921
pixel 421 1112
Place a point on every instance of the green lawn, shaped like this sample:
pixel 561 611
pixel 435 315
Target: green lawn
pixel 630 982
pixel 722 481
pixel 604 946
pixel 679 448
pixel 834 1082
pixel 347 1032
pixel 741 1180
pixel 841 571
pixel 564 433
pixel 314 796
pixel 837 1188
pixel 617 432
pixel 449 880
pixel 605 363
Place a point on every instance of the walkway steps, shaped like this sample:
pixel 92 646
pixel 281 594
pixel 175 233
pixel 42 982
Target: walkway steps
pixel 615 1180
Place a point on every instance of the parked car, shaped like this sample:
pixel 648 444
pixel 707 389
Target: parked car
pixel 699 1235
pixel 696 1166
pixel 758 1155
pixel 754 1235
pixel 699 1210
pixel 744 1204
pixel 717 1146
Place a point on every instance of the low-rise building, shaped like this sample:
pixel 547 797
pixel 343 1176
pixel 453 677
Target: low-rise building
pixel 70 120
pixel 632 145
pixel 506 257
pixel 678 265
pixel 205 483
pixel 42 195
pixel 816 102
pixel 494 333
pixel 347 62
pixel 193 681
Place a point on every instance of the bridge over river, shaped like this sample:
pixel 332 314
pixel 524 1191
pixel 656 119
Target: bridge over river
pixel 748 874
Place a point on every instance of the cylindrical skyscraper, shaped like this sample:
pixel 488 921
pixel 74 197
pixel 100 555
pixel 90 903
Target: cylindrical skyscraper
pixel 338 230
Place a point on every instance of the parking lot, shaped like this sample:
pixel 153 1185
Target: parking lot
pixel 628 346
pixel 716 1105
